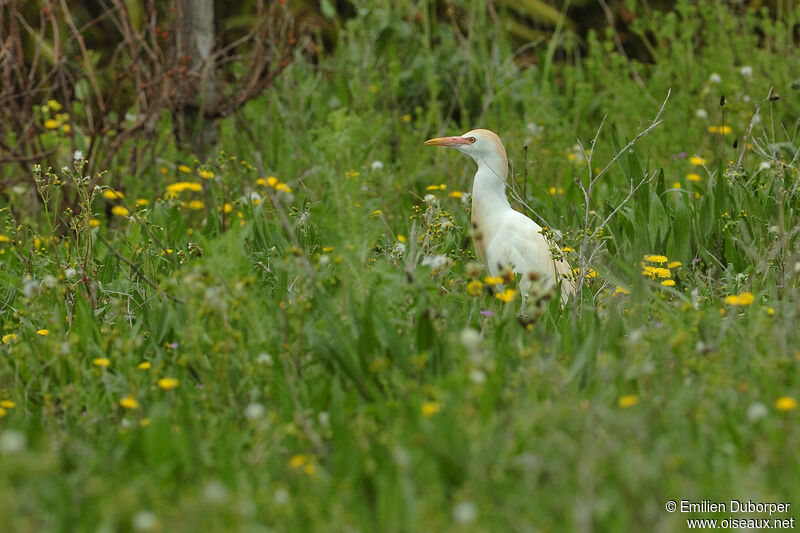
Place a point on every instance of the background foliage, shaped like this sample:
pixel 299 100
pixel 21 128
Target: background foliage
pixel 262 341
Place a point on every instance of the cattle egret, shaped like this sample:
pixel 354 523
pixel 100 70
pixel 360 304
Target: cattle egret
pixel 504 237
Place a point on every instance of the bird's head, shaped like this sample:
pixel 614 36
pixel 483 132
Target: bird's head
pixel 482 145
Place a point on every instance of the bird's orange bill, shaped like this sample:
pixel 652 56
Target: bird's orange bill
pixel 446 141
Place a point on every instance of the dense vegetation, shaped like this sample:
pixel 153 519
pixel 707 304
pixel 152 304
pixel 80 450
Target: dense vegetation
pixel 292 336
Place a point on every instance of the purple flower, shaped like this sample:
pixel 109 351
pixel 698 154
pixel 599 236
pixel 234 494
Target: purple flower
pixel 487 312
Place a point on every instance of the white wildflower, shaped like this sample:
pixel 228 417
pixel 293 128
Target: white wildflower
pixel 254 410
pixel 756 412
pixel 534 129
pixel 215 492
pixel 701 114
pixel 470 339
pixel 145 521
pixel 746 71
pixel 436 261
pixel 715 78
pixel 377 165
pixel 465 512
pixel 281 497
pixel 12 441
pixel 77 157
pixel 30 287
pixel 477 376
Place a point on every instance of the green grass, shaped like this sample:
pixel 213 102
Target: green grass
pixel 329 381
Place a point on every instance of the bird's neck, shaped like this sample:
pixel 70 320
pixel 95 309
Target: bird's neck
pixel 489 192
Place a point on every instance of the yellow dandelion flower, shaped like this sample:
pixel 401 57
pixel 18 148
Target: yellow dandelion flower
pixel 227 208
pixel 129 402
pixel 2 412
pixel 164 170
pixel 676 185
pixel 282 187
pixel 439 187
pixel 9 338
pixel 66 128
pixel 694 177
pixel 743 299
pixel 206 174
pixel 377 213
pixel 262 182
pixel 168 383
pixel 668 283
pixel 430 408
pixel 180 186
pixel 93 222
pixel 697 161
pixel 785 403
pixel 401 238
pixel 8 404
pixel 144 422
pixel 662 272
pixel 119 210
pixel 406 118
pixel 272 181
pixel 621 290
pixel 184 168
pixel 474 288
pixel 493 280
pixel 655 258
pixel 4 238
pixel 567 249
pixel 628 401
pixel 674 264
pixel 506 296
pixel 555 190
pixel 298 461
pixel 111 194
pixel 142 202
pixel 43 332
pixel 50 124
pixel 456 194
pixel 724 130
pixel 195 205
pixel 54 105
pixel 144 365
pixel 101 361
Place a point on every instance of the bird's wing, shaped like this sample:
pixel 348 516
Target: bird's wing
pixel 518 243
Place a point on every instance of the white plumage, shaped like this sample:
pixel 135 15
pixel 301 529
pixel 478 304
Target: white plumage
pixel 504 237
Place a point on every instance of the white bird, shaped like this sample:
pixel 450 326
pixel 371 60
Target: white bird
pixel 505 237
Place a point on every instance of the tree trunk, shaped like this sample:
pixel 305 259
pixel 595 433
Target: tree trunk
pixel 194 46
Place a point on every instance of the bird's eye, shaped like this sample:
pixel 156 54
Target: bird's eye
pixel 471 140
